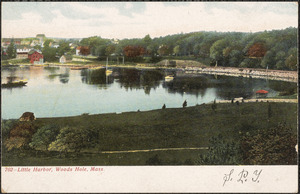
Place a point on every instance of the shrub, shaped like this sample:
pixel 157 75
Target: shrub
pixel 270 146
pixel 44 136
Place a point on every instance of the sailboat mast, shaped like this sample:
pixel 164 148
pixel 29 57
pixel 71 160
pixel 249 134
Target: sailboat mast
pixel 106 62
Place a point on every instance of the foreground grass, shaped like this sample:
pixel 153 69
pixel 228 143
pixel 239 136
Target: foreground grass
pixel 169 128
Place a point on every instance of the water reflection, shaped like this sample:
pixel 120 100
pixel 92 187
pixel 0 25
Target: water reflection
pixel 126 89
pixel 63 74
pixel 96 77
pixel 139 79
pixel 188 84
pixel 64 77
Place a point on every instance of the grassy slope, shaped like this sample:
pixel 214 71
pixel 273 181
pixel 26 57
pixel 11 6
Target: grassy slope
pixel 169 128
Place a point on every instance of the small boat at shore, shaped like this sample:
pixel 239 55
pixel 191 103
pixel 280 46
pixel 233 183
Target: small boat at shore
pixel 107 71
pixel 14 84
pixel 169 78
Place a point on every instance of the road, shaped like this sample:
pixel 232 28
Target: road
pixel 151 150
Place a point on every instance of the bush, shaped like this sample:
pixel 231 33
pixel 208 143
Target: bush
pixel 20 135
pixel 6 126
pixel 221 153
pixel 275 146
pixel 70 139
pixel 44 136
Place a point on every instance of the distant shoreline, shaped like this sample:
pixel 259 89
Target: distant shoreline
pixel 281 75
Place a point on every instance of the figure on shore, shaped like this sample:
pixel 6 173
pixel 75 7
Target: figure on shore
pixel 184 104
pixel 164 106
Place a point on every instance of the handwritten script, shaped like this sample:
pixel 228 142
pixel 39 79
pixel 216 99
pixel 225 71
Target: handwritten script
pixel 242 176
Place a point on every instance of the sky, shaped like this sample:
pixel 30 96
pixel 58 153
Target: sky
pixel 136 19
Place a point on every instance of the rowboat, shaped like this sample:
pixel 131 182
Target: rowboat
pixel 14 84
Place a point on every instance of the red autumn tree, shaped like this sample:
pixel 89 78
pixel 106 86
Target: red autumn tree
pixel 84 50
pixel 257 50
pixel 134 51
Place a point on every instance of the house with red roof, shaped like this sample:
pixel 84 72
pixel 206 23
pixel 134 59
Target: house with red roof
pixel 36 57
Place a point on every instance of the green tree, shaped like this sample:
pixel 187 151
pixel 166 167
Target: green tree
pixel 63 48
pixel 291 62
pixel 11 50
pixel 70 139
pixel 44 136
pixel 49 54
pixel 110 49
pixel 37 47
pixel 235 58
pixel 176 50
pixel 163 50
pixel 216 50
pixel 147 40
pixel 268 60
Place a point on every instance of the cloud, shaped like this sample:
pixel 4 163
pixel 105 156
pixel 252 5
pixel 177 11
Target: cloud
pixel 136 19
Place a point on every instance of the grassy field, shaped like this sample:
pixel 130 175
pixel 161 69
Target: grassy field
pixel 168 128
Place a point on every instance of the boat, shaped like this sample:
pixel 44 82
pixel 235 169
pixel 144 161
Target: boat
pixel 14 84
pixel 169 78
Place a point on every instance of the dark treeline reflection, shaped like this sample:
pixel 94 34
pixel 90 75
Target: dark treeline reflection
pixel 227 87
pixel 139 79
pixel 186 84
pixel 96 77
pixel 63 77
pixel 232 87
pixel 51 69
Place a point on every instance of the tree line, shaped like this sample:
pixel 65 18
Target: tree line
pixel 276 49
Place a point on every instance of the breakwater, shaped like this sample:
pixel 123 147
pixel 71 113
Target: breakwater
pixel 290 76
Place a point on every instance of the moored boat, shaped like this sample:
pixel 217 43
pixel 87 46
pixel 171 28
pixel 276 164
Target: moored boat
pixel 169 78
pixel 14 84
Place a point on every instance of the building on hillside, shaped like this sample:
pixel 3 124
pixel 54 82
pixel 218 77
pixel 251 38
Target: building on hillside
pixel 22 51
pixel 36 57
pixel 84 49
pixel 41 38
pixel 72 45
pixel 78 50
pixel 25 42
pixel 65 59
pixel 34 43
pixel 261 94
pixel 6 41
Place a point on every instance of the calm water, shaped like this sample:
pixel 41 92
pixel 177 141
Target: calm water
pixel 59 91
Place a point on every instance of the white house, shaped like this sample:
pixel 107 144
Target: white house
pixel 65 59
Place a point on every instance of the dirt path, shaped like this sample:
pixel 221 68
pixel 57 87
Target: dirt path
pixel 151 150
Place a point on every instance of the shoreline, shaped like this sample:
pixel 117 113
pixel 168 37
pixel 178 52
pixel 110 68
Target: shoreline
pixel 281 75
pixel 253 100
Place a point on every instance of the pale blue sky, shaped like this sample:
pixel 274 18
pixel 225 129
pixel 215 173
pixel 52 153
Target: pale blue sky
pixel 136 19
